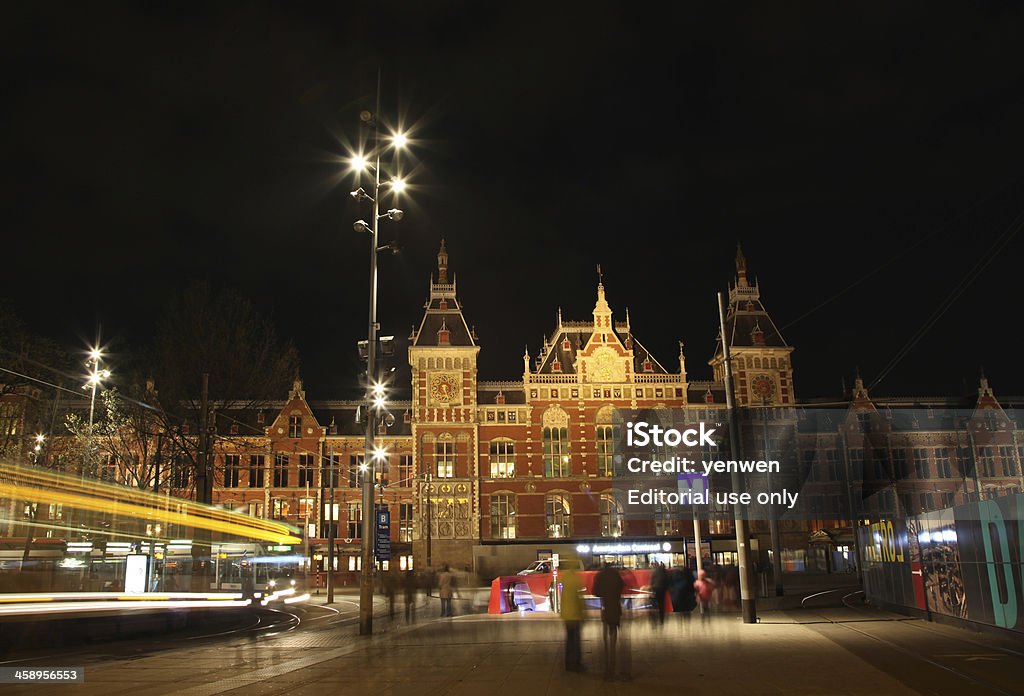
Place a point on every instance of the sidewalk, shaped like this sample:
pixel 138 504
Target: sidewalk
pixel 788 653
pixel 518 655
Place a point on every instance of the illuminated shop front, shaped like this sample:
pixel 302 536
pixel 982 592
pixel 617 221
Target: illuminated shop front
pixel 632 554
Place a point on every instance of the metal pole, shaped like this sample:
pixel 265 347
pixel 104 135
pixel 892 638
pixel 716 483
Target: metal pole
pixel 330 537
pixel 849 502
pixel 696 541
pixel 366 575
pixel 747 600
pixel 305 531
pixel 773 519
pixel 430 518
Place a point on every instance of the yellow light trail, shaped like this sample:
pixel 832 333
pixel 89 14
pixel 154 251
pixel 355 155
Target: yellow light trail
pixel 38 486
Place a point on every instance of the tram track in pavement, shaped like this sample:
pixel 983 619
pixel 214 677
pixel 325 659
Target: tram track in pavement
pixel 268 622
pixel 935 683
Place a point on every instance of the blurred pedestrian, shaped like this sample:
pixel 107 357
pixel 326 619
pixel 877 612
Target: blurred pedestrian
pixel 705 589
pixel 445 588
pixel 680 589
pixel 411 585
pixel 659 587
pixel 389 581
pixel 572 615
pixel 608 587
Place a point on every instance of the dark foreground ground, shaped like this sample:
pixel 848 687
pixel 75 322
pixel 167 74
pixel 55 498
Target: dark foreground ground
pixel 826 650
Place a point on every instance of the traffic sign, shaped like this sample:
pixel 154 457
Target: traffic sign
pixel 382 543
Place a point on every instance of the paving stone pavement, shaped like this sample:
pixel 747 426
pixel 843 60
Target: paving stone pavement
pixel 482 655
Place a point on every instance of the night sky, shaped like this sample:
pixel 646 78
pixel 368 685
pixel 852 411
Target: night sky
pixel 869 152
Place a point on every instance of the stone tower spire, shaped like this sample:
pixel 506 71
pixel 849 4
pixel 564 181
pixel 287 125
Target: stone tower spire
pixel 741 266
pixel 442 264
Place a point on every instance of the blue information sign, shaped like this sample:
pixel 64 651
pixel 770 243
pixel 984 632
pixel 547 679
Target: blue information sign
pixel 382 544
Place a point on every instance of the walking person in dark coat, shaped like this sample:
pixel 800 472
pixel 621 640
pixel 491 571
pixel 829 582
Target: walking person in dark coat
pixel 659 587
pixel 410 585
pixel 608 587
pixel 680 589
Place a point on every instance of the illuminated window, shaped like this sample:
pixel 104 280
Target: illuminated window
pixel 611 517
pixel 503 459
pixel 404 471
pixel 605 450
pixel 503 516
pixel 556 515
pixel 255 510
pixel 278 508
pixel 355 520
pixel 405 521
pixel 665 523
pixel 444 452
pixel 307 507
pixel 556 452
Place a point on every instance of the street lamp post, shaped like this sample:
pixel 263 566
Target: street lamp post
pixel 96 377
pixel 374 390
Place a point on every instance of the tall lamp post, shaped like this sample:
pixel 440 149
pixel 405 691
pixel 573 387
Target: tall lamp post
pixel 96 377
pixel 374 390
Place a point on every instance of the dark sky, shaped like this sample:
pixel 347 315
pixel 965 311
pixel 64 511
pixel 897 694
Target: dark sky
pixel 147 144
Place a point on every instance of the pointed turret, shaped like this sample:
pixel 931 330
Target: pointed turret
pixel 442 264
pixel 602 312
pixel 443 322
pixel 760 353
pixel 741 266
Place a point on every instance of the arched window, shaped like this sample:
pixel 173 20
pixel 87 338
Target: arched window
pixel 611 516
pixel 665 522
pixel 503 458
pixel 503 516
pixel 606 435
pixel 556 442
pixel 556 515
pixel 757 362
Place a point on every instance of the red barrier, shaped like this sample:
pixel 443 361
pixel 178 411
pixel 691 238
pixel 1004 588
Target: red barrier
pixel 531 592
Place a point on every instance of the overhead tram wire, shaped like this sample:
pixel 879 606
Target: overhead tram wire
pixel 986 258
pixel 941 228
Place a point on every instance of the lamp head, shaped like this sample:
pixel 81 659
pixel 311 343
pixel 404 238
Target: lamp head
pixel 361 226
pixel 360 195
pixel 396 214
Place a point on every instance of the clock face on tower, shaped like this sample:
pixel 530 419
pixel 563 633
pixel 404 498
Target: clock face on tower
pixel 762 386
pixel 444 388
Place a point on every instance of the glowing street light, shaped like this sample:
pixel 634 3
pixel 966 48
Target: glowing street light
pixel 95 378
pixel 375 395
